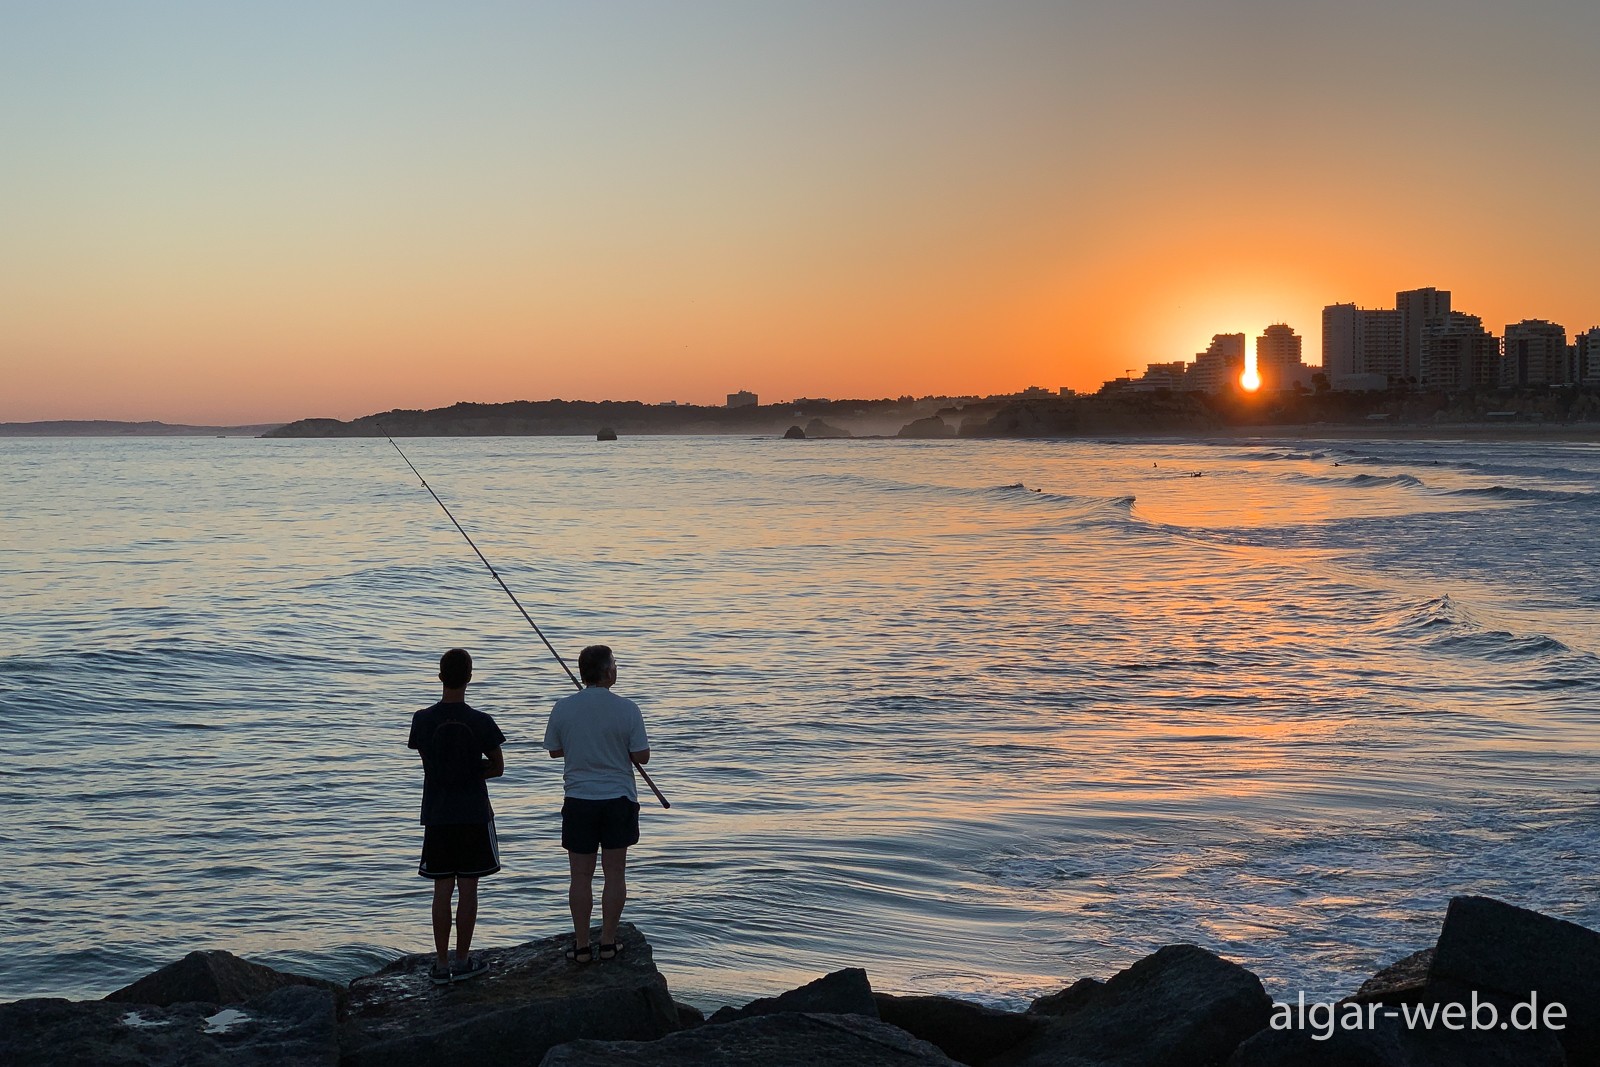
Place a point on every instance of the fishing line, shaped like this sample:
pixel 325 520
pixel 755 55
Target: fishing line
pixel 513 596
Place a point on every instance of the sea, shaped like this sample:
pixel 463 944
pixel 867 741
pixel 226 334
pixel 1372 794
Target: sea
pixel 982 717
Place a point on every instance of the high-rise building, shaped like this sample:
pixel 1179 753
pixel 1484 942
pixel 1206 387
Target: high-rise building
pixel 1458 353
pixel 1358 343
pixel 1536 354
pixel 1278 359
pixel 743 399
pixel 1417 307
pixel 1219 366
pixel 1587 351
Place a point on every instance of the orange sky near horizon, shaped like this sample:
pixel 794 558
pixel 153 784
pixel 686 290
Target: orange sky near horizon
pixel 224 217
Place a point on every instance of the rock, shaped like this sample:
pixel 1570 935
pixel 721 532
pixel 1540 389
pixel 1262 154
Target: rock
pixel 932 426
pixel 816 428
pixel 845 992
pixel 782 1040
pixel 968 1033
pixel 1181 1006
pixel 214 977
pixel 1391 1044
pixel 606 433
pixel 1489 945
pixel 1402 982
pixel 293 1026
pixel 1068 1000
pixel 688 1015
pixel 531 1000
pixel 794 433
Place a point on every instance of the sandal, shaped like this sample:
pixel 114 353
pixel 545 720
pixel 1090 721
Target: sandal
pixel 581 953
pixel 438 977
pixel 610 952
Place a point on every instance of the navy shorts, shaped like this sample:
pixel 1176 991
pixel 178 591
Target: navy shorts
pixel 587 826
pixel 459 850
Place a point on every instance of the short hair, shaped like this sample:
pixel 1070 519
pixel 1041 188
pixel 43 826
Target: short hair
pixel 593 662
pixel 455 668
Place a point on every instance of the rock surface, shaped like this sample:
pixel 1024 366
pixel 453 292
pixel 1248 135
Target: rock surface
pixel 845 992
pixel 794 433
pixel 932 426
pixel 1489 945
pixel 214 977
pixel 293 1026
pixel 968 1033
pixel 1402 982
pixel 1068 1000
pixel 1181 1006
pixel 782 1040
pixel 816 428
pixel 531 1000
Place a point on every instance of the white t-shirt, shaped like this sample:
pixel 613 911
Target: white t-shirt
pixel 597 729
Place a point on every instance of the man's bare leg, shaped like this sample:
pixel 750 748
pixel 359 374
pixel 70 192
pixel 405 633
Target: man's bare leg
pixel 466 918
pixel 580 895
pixel 614 861
pixel 442 889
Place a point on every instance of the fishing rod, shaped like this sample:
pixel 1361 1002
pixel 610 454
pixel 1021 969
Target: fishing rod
pixel 636 765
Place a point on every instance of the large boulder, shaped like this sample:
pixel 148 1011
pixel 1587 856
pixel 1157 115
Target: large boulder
pixel 966 1032
pixel 211 977
pixel 845 992
pixel 293 1026
pixel 816 428
pixel 531 1000
pixel 1498 948
pixel 794 433
pixel 932 426
pixel 782 1040
pixel 1181 1007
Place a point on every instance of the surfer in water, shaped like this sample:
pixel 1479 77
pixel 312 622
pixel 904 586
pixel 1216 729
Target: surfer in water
pixel 460 750
pixel 600 736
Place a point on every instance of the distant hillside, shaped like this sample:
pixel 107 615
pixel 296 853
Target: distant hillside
pixel 107 428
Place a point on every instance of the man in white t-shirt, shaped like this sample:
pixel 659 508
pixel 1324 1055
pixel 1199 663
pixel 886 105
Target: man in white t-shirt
pixel 601 736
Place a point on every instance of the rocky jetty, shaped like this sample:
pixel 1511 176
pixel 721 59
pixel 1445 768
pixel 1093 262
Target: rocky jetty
pixel 1182 1006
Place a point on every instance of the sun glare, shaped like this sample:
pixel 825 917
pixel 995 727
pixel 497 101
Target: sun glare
pixel 1251 378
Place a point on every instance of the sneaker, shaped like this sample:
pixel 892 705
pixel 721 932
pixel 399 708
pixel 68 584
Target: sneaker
pixel 460 972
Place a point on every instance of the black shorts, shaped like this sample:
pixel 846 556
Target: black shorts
pixel 459 850
pixel 590 825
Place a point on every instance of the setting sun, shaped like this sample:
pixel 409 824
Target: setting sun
pixel 1250 380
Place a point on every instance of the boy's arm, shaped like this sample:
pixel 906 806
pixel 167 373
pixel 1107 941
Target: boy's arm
pixel 494 764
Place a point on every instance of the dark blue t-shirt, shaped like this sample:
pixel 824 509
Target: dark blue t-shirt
pixel 445 802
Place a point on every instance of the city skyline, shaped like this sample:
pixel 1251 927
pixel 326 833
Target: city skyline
pixel 232 216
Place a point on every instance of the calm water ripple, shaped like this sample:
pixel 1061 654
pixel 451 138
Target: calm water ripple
pixel 982 717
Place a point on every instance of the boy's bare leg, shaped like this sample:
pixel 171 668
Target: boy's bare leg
pixel 614 861
pixel 580 895
pixel 442 889
pixel 466 917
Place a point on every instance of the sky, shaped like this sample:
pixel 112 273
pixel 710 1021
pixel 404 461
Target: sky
pixel 222 213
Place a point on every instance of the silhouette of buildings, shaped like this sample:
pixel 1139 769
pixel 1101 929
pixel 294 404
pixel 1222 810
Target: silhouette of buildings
pixel 1417 308
pixel 1361 346
pixel 1536 354
pixel 1278 359
pixel 1219 366
pixel 1586 356
pixel 742 399
pixel 1458 353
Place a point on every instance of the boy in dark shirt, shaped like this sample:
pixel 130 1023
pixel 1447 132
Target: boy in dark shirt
pixel 460 749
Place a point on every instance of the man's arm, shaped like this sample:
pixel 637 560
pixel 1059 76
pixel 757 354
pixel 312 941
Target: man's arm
pixel 557 753
pixel 494 764
pixel 640 757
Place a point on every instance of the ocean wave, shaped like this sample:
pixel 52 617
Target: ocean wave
pixel 1357 481
pixel 1513 492
pixel 1446 626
